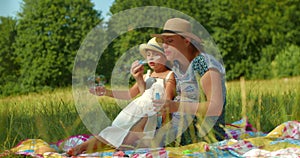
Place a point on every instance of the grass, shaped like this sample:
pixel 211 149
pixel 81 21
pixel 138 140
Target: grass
pixel 52 116
pixel 266 103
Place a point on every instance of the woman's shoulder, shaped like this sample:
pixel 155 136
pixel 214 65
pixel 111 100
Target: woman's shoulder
pixel 199 64
pixel 203 62
pixel 200 58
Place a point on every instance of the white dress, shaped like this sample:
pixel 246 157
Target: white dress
pixel 133 112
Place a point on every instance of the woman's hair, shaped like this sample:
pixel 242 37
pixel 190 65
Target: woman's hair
pixel 197 46
pixel 168 65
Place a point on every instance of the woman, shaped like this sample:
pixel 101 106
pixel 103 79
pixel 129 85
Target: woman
pixel 138 120
pixel 197 74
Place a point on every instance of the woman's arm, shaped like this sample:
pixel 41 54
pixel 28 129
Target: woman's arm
pixel 211 83
pixel 212 86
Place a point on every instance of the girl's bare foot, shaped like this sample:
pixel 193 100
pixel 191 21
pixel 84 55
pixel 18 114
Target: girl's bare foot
pixel 92 145
pixel 6 153
pixel 75 151
pixel 71 152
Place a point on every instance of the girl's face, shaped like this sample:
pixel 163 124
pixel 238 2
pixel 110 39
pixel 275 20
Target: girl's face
pixel 173 46
pixel 155 59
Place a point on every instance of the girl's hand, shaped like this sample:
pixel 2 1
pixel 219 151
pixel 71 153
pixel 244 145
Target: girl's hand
pixel 98 90
pixel 137 70
pixel 163 106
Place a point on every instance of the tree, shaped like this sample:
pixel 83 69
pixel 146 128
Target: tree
pixel 287 62
pixel 245 29
pixel 49 35
pixel 126 33
pixel 249 34
pixel 9 67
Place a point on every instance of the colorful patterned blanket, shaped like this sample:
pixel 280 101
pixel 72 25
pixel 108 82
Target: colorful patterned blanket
pixel 242 141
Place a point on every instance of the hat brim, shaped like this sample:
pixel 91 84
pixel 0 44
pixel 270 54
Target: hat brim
pixel 144 47
pixel 185 34
pixel 163 34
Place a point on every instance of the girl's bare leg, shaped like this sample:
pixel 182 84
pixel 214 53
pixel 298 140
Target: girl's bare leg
pixel 96 143
pixel 92 145
pixel 136 133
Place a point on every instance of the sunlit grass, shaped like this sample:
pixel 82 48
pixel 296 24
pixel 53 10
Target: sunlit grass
pixel 268 103
pixel 52 116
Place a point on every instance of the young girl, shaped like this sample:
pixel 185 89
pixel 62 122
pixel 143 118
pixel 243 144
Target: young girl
pixel 138 120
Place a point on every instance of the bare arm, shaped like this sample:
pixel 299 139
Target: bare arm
pixel 137 71
pixel 212 87
pixel 123 94
pixel 170 87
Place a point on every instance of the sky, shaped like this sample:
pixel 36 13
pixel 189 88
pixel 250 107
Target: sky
pixel 11 7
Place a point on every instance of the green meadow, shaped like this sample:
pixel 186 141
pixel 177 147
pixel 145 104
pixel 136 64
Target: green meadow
pixel 52 115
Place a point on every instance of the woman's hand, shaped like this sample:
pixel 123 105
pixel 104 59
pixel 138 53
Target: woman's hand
pixel 98 90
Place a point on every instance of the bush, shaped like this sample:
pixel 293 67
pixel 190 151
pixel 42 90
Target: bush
pixel 287 62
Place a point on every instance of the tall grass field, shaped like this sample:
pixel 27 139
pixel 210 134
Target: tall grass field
pixel 52 116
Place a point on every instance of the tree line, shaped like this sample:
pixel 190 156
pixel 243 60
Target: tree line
pixel 258 39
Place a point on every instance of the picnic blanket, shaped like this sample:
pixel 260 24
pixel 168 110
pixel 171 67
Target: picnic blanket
pixel 242 141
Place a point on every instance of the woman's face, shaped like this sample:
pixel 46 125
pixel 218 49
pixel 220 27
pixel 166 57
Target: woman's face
pixel 173 47
pixel 155 59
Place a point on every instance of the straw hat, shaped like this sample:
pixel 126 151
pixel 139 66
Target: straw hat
pixel 153 44
pixel 178 26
